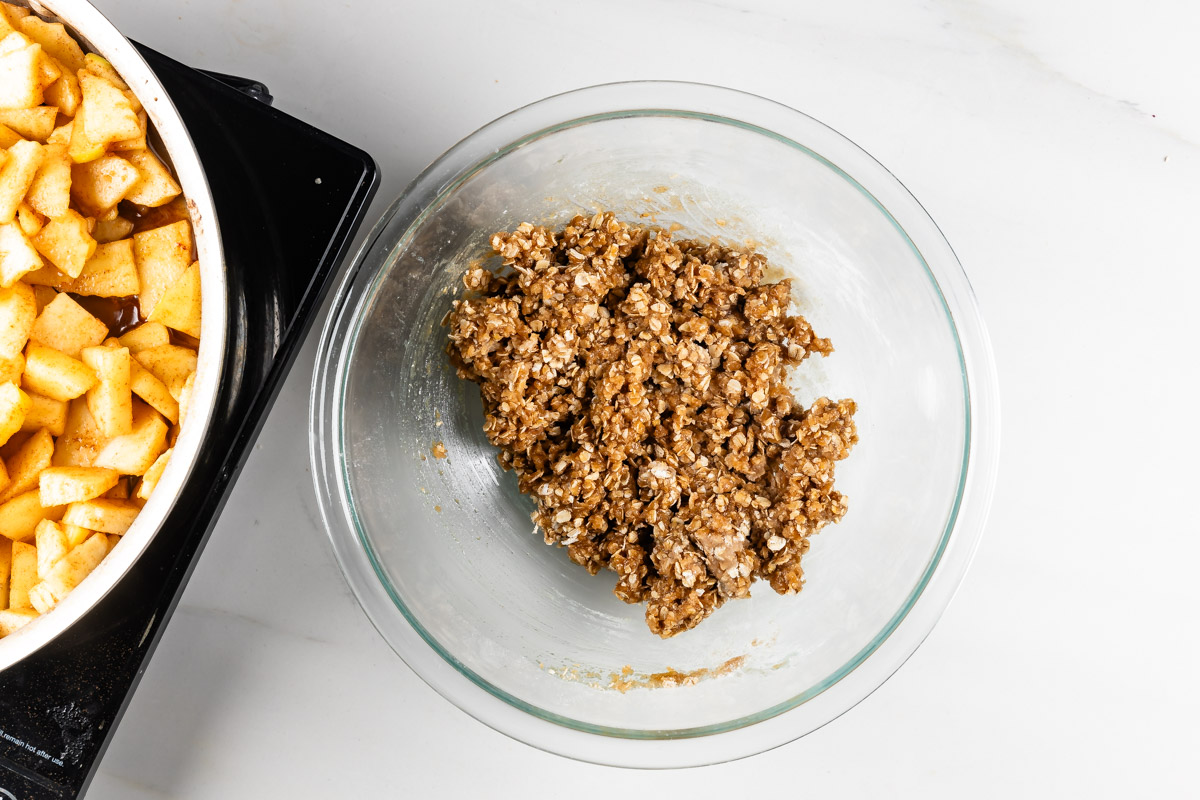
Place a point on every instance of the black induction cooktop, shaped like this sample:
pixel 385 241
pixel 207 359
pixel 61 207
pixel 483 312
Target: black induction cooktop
pixel 289 200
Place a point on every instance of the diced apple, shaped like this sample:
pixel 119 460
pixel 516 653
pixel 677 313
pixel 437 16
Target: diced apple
pixel 10 18
pixel 162 255
pixel 17 175
pixel 76 535
pixel 64 94
pixel 120 490
pixel 185 399
pixel 13 619
pixel 179 307
pixel 145 385
pixel 98 185
pixel 5 570
pixel 110 272
pixel 31 123
pixel 135 452
pixel 12 446
pixel 55 41
pixel 14 404
pixel 109 115
pixel 27 464
pixel 20 516
pixel 155 186
pixel 137 142
pixel 11 369
pixel 66 243
pixel 71 569
pixel 169 363
pixel 48 72
pixel 20 77
pixel 58 486
pixel 30 221
pixel 51 542
pixel 22 574
pixel 50 191
pixel 62 134
pixel 45 412
pixel 80 148
pixel 18 256
pixel 152 476
pixel 99 66
pixel 145 336
pixel 8 137
pixel 18 310
pixel 106 516
pixel 110 400
pixel 81 440
pixel 55 374
pixel 67 327
pixel 13 40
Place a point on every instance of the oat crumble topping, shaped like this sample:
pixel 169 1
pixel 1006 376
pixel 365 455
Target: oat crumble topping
pixel 636 384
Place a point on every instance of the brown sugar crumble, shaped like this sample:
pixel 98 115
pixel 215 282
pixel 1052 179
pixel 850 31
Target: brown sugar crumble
pixel 636 384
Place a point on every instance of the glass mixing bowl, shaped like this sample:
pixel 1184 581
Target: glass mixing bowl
pixel 441 552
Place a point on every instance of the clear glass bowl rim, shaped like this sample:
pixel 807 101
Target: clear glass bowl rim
pixel 753 732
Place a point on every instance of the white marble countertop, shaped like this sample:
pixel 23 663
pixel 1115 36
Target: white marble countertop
pixel 1058 147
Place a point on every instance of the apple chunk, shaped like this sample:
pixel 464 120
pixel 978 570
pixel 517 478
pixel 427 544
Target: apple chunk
pixel 51 542
pixel 145 336
pixel 106 516
pixel 162 254
pixel 55 374
pixel 45 412
pixel 67 327
pixel 66 243
pixel 155 186
pixel 22 575
pixel 171 364
pixel 14 404
pixel 18 311
pixel 20 516
pixel 145 385
pixel 150 479
pixel 55 41
pixel 58 486
pixel 11 369
pixel 21 78
pixel 18 256
pixel 5 569
pixel 31 123
pixel 98 185
pixel 109 114
pixel 110 400
pixel 27 464
pixel 16 176
pixel 13 619
pixel 81 440
pixel 64 94
pixel 179 307
pixel 135 452
pixel 110 272
pixel 50 192
pixel 69 572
